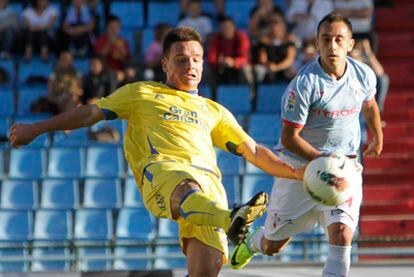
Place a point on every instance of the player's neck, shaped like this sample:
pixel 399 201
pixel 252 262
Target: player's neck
pixel 190 91
pixel 335 71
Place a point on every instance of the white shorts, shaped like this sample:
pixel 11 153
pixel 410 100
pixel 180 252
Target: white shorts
pixel 291 210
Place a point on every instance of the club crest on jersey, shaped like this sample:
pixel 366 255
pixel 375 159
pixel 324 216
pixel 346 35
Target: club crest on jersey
pixel 291 100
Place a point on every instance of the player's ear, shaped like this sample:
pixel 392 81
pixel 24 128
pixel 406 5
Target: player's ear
pixel 164 64
pixel 351 44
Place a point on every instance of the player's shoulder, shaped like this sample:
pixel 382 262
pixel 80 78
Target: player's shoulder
pixel 146 85
pixel 309 73
pixel 361 70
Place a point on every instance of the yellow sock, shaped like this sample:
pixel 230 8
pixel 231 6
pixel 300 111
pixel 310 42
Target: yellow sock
pixel 199 209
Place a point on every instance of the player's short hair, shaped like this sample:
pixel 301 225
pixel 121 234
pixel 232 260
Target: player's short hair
pixel 180 34
pixel 334 17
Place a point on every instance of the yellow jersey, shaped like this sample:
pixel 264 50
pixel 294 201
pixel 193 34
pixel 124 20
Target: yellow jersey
pixel 169 124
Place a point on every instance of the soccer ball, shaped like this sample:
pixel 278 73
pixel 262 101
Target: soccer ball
pixel 328 179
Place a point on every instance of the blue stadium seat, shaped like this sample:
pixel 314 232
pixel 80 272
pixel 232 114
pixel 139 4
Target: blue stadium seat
pixel 168 257
pixel 16 226
pixel 232 186
pixel 131 13
pixel 239 10
pixel 27 96
pixel 229 164
pixel 66 162
pixel 265 128
pixel 19 194
pixel 102 193
pixel 78 137
pixel 252 184
pixel 236 98
pixel 132 195
pixel 42 140
pixel 8 66
pixel 269 97
pixel 135 225
pixel 14 266
pixel 60 194
pixel 52 225
pixel 101 264
pixel 93 225
pixel 132 258
pixel 104 162
pixel 6 102
pixel 35 68
pixel 167 230
pixel 41 264
pixel 81 65
pixel 27 163
pixel 166 12
pixel 15 229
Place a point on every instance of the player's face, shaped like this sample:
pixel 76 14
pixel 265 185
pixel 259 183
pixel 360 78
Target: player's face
pixel 184 65
pixel 334 42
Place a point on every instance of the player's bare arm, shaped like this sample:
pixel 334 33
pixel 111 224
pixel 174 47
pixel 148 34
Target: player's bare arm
pixel 83 116
pixel 265 159
pixel 292 141
pixel 372 117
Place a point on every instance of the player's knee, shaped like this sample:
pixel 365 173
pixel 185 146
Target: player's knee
pixel 271 248
pixel 341 235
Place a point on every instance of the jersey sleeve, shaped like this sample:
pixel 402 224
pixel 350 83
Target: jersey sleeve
pixel 296 101
pixel 117 104
pixel 227 134
pixel 371 84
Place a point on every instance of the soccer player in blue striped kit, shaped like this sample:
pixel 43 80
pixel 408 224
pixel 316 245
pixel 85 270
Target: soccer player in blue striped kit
pixel 320 114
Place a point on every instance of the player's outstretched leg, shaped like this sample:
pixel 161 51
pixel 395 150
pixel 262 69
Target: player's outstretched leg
pixel 243 216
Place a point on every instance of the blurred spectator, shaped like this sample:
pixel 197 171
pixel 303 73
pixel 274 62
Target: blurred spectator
pixel 260 15
pixel 39 28
pixel 93 6
pixel 64 87
pixel 362 52
pixel 9 27
pixel 153 55
pixel 274 54
pixel 115 51
pixel 360 13
pixel 308 53
pixel 218 4
pixel 304 16
pixel 99 82
pixel 195 19
pixel 78 28
pixel 228 55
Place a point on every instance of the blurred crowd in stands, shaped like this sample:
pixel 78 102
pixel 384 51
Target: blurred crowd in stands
pixel 277 40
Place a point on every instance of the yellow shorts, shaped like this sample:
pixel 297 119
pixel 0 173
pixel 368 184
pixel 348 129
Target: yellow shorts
pixel 160 180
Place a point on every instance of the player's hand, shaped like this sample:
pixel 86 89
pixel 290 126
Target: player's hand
pixel 21 134
pixel 299 172
pixel 374 149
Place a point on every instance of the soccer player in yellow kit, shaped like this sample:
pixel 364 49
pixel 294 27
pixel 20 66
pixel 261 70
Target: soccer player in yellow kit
pixel 169 146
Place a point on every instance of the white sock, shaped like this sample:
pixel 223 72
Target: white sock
pixel 338 262
pixel 254 242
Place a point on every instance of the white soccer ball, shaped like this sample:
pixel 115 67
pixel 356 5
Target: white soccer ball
pixel 328 179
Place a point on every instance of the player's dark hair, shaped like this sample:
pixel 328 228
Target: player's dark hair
pixel 180 34
pixel 335 17
pixel 112 18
